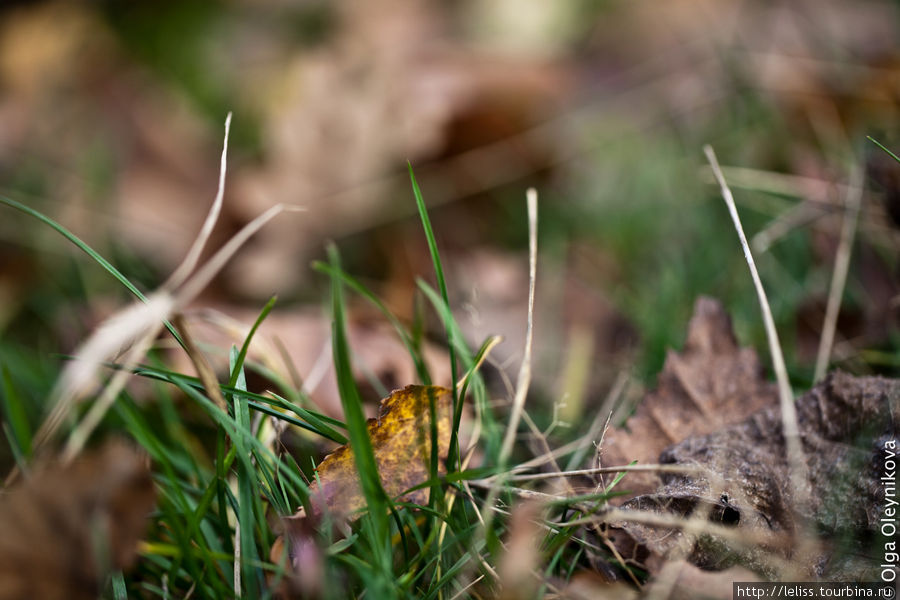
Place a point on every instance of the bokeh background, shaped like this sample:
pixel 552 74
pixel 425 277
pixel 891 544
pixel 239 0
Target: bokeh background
pixel 111 122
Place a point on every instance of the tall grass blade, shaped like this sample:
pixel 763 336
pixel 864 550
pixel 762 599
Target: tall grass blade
pixel 442 286
pixel 376 524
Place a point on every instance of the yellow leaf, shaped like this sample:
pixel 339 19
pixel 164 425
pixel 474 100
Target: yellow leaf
pixel 401 440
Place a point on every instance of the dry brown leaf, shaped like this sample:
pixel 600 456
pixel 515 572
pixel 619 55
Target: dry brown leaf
pixel 65 527
pixel 711 383
pixel 846 425
pixel 721 416
pixel 401 439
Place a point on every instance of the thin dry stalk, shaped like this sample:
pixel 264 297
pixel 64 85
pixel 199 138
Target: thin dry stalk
pixel 202 366
pixel 695 525
pixel 524 379
pixel 190 261
pixel 795 458
pixel 799 215
pixel 124 328
pixel 546 451
pixel 841 268
pixel 79 436
pixel 237 561
pixel 683 469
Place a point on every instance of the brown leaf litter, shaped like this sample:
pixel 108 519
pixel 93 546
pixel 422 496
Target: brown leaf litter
pixel 845 423
pixel 714 412
pixel 64 528
pixel 711 383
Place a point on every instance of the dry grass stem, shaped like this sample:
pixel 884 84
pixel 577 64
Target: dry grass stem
pixel 624 468
pixel 742 540
pixel 524 378
pixel 79 436
pixel 190 261
pixel 79 376
pixel 204 370
pixel 841 267
pixel 799 215
pixel 796 460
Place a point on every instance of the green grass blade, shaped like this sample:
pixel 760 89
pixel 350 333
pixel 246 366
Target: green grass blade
pixel 118 586
pixel 86 249
pixel 18 455
pixel 880 145
pixel 16 415
pixel 457 340
pixel 442 284
pixel 237 369
pixel 248 487
pixel 315 422
pixel 363 453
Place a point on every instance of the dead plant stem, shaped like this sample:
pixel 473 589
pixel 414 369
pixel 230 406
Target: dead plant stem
pixel 841 267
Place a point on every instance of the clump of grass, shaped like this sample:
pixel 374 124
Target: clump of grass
pixel 223 487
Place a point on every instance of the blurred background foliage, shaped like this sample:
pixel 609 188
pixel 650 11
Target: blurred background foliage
pixel 111 116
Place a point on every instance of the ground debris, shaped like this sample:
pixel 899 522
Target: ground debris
pixel 65 527
pixel 711 383
pixel 847 426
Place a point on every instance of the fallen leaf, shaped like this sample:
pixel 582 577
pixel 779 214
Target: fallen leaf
pixel 65 527
pixel 846 427
pixel 711 383
pixel 714 411
pixel 401 440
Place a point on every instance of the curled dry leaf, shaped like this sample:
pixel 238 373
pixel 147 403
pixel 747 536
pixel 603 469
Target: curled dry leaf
pixel 65 527
pixel 401 440
pixel 711 383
